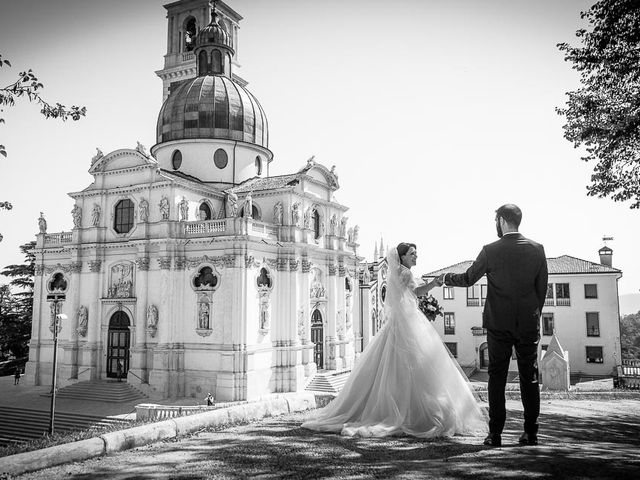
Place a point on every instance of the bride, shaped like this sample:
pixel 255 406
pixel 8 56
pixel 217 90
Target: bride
pixel 405 382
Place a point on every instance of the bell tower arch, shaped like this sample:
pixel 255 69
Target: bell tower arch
pixel 185 18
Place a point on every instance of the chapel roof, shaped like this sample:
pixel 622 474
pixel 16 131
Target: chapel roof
pixel 562 265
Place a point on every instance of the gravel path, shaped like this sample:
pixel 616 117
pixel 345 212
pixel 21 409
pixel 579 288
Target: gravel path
pixel 579 439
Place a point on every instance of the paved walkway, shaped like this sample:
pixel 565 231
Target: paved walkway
pixel 585 439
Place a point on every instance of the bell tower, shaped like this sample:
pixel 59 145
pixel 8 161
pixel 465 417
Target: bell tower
pixel 185 19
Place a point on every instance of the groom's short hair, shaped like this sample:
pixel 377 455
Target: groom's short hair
pixel 511 214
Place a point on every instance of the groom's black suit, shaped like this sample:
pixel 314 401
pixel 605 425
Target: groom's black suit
pixel 516 270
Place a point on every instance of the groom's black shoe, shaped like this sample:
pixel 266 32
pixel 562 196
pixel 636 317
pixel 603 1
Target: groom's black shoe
pixel 528 439
pixel 493 440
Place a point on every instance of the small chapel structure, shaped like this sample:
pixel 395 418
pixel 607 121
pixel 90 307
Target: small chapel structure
pixel 191 265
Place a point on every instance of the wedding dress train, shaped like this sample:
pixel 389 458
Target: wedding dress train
pixel 405 381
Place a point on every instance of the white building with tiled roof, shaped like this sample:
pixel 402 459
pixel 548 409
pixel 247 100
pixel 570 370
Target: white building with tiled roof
pixel 581 307
pixel 192 269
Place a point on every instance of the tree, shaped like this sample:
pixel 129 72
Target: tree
pixel 630 335
pixel 604 114
pixel 16 308
pixel 28 86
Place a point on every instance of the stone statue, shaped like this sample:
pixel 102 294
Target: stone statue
pixel 83 321
pixel 343 227
pixel 203 316
pixel 42 223
pixel 141 149
pixel 295 214
pixel 311 162
pixel 333 171
pixel 95 215
pixel 356 230
pixel 333 223
pixel 232 204
pixel 248 206
pixel 350 235
pixel 265 315
pixel 307 218
pixel 164 208
pixel 76 213
pixel 277 213
pixel 152 319
pixel 143 209
pixel 97 156
pixel 184 209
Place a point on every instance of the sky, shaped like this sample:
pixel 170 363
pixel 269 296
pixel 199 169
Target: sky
pixel 434 112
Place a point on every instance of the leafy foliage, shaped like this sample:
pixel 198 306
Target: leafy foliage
pixel 630 335
pixel 28 86
pixel 16 308
pixel 604 114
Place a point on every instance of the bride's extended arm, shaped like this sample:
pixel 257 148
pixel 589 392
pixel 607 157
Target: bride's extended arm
pixel 425 287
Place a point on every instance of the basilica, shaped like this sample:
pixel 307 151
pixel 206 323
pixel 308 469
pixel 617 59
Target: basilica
pixel 189 267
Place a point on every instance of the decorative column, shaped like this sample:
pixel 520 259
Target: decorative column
pixel 331 360
pixel 91 350
pixel 159 374
pixel 39 322
pixel 147 323
pixel 304 317
pixel 68 340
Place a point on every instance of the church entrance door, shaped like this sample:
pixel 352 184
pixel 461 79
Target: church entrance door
pixel 118 341
pixel 317 337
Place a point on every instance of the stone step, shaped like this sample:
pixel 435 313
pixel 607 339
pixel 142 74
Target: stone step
pixel 23 424
pixel 101 391
pixel 328 382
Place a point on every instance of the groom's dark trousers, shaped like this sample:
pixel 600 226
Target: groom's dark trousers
pixel 516 271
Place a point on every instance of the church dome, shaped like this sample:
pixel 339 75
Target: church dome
pixel 212 107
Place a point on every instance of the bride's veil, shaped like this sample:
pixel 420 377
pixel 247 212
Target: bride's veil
pixel 395 286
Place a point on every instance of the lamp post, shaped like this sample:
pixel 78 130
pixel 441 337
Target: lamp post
pixel 58 317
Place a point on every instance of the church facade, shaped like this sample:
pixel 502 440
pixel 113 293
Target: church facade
pixel 190 268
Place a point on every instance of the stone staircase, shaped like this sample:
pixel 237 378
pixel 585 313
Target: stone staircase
pixel 110 391
pixel 24 424
pixel 328 382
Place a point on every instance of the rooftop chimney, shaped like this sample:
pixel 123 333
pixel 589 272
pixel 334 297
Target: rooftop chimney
pixel 605 256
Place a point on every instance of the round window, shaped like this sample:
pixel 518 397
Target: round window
pixel 220 158
pixel 176 159
pixel 258 166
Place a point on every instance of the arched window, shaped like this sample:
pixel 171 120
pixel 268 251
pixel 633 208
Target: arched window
pixel 123 216
pixel 204 211
pixel 216 62
pixel 255 213
pixel 315 218
pixel 347 284
pixel 176 159
pixel 258 166
pixel 383 293
pixel 264 280
pixel 58 283
pixel 189 34
pixel 203 63
pixel 205 279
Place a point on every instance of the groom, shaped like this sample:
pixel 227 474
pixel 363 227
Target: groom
pixel 516 270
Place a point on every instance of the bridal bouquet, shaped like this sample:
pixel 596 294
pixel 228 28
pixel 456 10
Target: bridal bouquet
pixel 430 307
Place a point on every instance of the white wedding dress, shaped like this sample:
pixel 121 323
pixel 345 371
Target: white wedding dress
pixel 405 381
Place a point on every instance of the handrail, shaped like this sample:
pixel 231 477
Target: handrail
pixel 79 373
pixel 141 380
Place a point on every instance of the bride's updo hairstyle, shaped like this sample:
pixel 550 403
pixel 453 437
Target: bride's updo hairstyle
pixel 403 248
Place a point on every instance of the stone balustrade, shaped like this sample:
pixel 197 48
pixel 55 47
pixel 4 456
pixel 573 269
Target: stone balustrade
pixel 205 227
pixel 152 411
pixel 58 238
